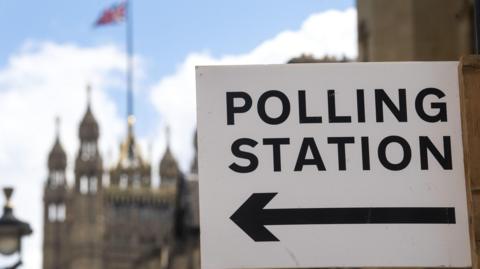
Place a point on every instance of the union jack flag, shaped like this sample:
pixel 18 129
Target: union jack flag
pixel 113 14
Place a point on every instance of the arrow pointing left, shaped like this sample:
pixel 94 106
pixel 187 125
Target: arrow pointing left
pixel 252 216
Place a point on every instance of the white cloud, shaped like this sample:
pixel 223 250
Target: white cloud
pixel 332 33
pixel 39 82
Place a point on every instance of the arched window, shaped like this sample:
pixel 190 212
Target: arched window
pixel 83 185
pixel 88 150
pixel 137 180
pixel 93 184
pixel 123 183
pixel 57 212
pixel 52 212
pixel 61 212
pixel 57 178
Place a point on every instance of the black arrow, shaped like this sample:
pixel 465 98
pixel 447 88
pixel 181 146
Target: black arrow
pixel 252 217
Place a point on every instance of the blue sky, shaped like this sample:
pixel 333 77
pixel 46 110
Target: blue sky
pixel 165 31
pixel 50 50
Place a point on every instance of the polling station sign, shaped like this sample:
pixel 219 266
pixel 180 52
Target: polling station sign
pixel 331 165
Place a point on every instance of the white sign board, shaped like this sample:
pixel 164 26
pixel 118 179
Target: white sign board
pixel 331 165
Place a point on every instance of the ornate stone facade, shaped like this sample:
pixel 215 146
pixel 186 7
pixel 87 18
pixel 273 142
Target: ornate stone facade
pixel 122 223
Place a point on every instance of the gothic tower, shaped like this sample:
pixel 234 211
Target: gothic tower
pixel 138 218
pixel 87 225
pixel 55 227
pixel 171 178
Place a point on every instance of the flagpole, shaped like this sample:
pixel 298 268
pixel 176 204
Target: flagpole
pixel 129 47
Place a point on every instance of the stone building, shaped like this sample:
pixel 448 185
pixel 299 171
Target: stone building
pixel 414 30
pixel 123 223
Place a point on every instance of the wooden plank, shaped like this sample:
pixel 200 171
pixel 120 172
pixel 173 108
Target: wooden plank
pixel 469 80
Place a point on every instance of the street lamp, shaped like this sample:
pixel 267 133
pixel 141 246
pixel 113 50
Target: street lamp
pixel 11 229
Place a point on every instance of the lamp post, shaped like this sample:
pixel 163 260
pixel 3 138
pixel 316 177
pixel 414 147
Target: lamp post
pixel 11 230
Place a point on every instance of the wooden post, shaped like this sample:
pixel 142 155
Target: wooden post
pixel 469 80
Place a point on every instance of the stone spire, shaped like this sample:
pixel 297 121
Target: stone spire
pixel 88 164
pixel 169 171
pixel 57 159
pixel 89 130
